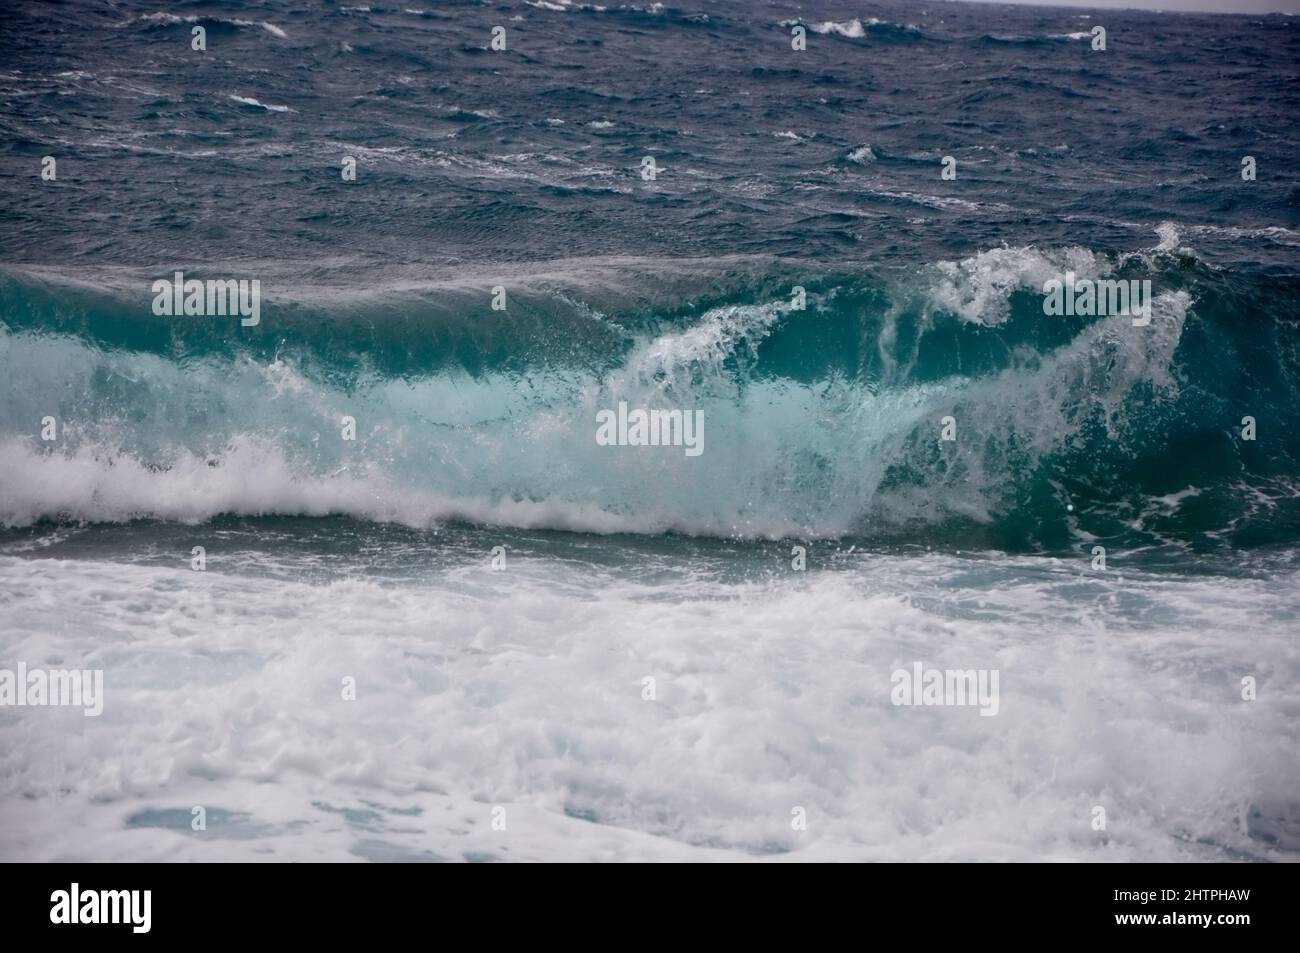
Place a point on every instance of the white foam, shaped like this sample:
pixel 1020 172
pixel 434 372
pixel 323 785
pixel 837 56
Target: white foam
pixel 978 288
pixel 270 28
pixel 523 690
pixel 850 28
pixel 1169 237
pixel 252 478
pixel 250 101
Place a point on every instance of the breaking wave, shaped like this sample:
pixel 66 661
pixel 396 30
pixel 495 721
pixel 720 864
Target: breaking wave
pixel 823 422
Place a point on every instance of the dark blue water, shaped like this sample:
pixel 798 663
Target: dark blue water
pixel 477 158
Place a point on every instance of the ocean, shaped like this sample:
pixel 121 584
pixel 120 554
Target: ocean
pixel 363 575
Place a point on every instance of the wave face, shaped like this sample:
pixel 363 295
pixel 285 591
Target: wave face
pixel 478 170
pixel 820 422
